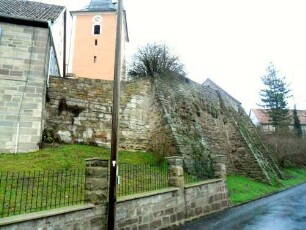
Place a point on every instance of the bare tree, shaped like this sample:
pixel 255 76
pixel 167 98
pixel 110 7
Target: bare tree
pixel 154 59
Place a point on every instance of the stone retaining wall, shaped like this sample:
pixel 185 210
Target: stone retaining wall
pixel 171 207
pixel 170 116
pixel 159 209
pixel 92 101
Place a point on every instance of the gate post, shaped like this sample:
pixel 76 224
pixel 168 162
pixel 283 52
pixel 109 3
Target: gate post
pixel 176 171
pixel 96 186
pixel 96 189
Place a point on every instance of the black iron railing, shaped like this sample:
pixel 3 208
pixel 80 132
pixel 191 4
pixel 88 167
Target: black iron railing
pixel 196 171
pixel 25 192
pixel 141 178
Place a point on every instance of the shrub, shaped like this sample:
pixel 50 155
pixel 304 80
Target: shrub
pixel 288 149
pixel 50 136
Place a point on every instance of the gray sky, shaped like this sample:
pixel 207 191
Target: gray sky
pixel 229 41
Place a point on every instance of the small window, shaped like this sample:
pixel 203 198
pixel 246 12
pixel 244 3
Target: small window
pixel 95 59
pixel 96 42
pixel 97 29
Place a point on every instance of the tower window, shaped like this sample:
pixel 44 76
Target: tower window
pixel 95 59
pixel 97 29
pixel 96 42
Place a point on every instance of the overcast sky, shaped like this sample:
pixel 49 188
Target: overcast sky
pixel 229 41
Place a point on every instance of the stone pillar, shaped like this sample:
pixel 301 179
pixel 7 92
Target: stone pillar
pixel 219 166
pixel 176 171
pixel 96 186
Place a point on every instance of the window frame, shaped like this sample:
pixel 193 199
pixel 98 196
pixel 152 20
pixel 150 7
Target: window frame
pixel 94 30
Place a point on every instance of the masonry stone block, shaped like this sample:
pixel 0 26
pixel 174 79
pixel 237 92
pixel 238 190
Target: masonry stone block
pixel 65 136
pixel 96 183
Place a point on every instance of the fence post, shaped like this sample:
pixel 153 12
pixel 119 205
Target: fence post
pixel 96 186
pixel 176 171
pixel 96 190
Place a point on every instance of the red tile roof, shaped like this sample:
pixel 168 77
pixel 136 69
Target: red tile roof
pixel 263 116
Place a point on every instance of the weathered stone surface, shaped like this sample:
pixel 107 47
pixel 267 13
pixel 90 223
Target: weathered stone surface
pixel 93 123
pixel 96 183
pixel 65 136
pixel 163 210
pixel 174 117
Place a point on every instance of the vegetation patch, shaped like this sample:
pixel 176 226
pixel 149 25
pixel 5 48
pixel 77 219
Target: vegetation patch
pixel 50 136
pixel 242 189
pixel 67 157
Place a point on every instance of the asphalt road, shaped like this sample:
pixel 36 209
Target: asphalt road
pixel 281 211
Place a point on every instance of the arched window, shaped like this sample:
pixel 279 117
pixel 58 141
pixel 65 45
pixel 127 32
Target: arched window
pixel 97 29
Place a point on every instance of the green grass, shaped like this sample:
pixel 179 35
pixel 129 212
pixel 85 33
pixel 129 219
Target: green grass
pixel 242 189
pixel 67 157
pixel 26 192
pixel 46 179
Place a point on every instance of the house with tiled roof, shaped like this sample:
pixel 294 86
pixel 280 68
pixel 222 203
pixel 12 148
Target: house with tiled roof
pixel 260 117
pixel 31 48
pixel 93 40
pixel 228 100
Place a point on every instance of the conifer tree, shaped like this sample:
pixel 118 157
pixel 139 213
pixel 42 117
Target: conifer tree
pixel 297 123
pixel 274 97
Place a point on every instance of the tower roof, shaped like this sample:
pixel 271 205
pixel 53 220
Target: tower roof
pixel 100 5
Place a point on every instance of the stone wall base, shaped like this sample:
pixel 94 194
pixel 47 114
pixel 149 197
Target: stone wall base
pixel 160 209
pixel 171 207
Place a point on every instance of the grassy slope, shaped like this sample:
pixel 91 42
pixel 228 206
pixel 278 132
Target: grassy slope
pixel 58 188
pixel 242 189
pixel 66 157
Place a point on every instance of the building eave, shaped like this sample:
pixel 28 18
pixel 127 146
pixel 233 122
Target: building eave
pixel 92 11
pixel 24 21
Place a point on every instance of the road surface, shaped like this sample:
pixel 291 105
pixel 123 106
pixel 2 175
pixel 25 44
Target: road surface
pixel 281 211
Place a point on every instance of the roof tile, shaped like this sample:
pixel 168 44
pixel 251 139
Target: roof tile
pixel 30 10
pixel 263 116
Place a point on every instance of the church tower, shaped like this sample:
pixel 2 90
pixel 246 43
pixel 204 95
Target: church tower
pixel 93 39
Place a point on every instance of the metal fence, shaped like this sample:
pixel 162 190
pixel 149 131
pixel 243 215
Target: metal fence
pixel 141 178
pixel 196 171
pixel 25 192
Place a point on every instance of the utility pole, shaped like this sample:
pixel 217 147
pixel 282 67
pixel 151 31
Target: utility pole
pixel 115 123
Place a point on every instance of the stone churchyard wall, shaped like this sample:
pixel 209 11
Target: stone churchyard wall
pixel 79 111
pixel 207 127
pixel 171 207
pixel 170 116
pixel 160 209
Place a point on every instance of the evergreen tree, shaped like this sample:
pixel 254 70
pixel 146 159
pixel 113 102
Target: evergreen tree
pixel 274 97
pixel 297 123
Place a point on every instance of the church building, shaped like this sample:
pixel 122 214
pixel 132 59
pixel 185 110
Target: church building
pixel 93 40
